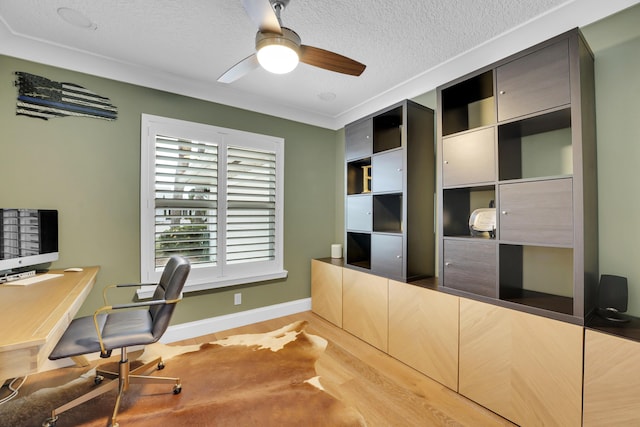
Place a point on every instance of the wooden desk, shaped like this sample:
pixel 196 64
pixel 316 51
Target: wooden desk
pixel 34 317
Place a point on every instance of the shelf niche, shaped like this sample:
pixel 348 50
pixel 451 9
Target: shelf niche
pixel 387 130
pixel 536 147
pixel 459 203
pixel 387 213
pixel 359 249
pixel 469 104
pixel 537 276
pixel 359 176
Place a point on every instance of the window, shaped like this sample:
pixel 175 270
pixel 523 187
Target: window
pixel 213 195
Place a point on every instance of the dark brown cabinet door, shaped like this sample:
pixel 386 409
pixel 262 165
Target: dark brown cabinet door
pixel 387 255
pixel 535 82
pixel 469 158
pixel 359 213
pixel 470 266
pixel 388 171
pixel 537 212
pixel 358 139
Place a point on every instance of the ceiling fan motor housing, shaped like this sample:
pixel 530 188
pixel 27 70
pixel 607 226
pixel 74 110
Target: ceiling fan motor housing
pixel 288 38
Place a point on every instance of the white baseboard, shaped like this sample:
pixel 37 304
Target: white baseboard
pixel 212 325
pixel 221 323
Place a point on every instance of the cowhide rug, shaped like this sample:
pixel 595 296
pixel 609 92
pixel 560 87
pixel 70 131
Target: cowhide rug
pixel 244 380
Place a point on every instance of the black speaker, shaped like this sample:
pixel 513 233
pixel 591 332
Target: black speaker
pixel 612 297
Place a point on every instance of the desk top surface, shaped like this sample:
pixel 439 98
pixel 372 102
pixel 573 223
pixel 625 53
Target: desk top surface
pixel 28 314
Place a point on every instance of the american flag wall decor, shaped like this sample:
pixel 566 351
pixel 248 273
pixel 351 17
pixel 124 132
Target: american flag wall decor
pixel 45 99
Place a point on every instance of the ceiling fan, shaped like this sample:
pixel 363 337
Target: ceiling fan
pixel 279 49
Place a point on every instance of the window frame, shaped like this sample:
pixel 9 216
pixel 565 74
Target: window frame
pixel 221 275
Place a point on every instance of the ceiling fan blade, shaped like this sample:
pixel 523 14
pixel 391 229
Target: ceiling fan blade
pixel 262 14
pixel 242 68
pixel 330 61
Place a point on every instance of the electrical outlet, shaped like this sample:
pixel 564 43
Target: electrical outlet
pixel 237 299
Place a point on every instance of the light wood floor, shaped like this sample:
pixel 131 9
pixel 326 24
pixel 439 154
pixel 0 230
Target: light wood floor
pixel 384 390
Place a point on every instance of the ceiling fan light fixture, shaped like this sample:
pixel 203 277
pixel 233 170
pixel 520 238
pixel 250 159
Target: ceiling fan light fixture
pixel 278 53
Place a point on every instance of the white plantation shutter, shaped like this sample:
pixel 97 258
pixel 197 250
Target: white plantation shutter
pixel 251 205
pixel 213 195
pixel 186 194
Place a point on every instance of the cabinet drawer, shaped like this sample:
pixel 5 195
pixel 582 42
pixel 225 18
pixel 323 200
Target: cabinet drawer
pixel 535 82
pixel 359 213
pixel 538 212
pixel 470 266
pixel 469 158
pixel 358 139
pixel 387 255
pixel 388 171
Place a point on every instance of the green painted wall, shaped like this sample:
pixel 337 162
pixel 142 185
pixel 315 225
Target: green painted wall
pixel 615 42
pixel 89 170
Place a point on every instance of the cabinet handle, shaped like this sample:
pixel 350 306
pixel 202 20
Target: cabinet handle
pixel 447 264
pixel 502 92
pixel 399 256
pixel 399 169
pixel 446 162
pixel 504 212
pixel 369 213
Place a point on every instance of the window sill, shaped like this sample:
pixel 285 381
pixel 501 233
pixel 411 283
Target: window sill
pixel 147 291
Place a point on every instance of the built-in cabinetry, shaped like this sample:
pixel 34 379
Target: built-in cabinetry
pixel 524 367
pixel 390 183
pixel 528 368
pixel 326 288
pixel 518 138
pixel 611 379
pixel 423 331
pixel 365 302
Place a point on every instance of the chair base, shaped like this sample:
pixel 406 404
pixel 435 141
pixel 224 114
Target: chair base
pixel 119 380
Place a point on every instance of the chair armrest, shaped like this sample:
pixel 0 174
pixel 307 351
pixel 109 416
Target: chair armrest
pixel 122 285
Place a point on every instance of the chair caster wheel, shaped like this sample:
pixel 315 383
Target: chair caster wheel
pixel 50 422
pixel 98 379
pixel 177 388
pixel 160 366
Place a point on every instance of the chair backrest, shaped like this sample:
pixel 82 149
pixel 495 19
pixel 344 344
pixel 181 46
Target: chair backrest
pixel 170 286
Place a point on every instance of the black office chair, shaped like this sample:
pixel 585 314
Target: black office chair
pixel 121 326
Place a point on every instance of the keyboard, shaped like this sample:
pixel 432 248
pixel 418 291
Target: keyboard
pixel 34 279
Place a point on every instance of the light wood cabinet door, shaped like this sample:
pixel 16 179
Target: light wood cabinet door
pixel 326 291
pixel 535 82
pixel 423 331
pixel 611 380
pixel 469 158
pixel 470 266
pixel 365 307
pixel 524 367
pixel 537 212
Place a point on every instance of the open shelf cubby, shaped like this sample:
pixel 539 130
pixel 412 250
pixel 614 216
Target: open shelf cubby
pixel 387 130
pixel 459 203
pixel 536 147
pixel 537 276
pixel 387 213
pixel 359 249
pixel 469 104
pixel 359 175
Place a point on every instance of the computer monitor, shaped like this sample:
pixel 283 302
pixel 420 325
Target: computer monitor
pixel 28 238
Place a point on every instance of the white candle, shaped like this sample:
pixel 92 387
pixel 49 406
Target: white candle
pixel 336 250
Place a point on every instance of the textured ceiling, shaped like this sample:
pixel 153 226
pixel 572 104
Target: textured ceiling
pixel 409 46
